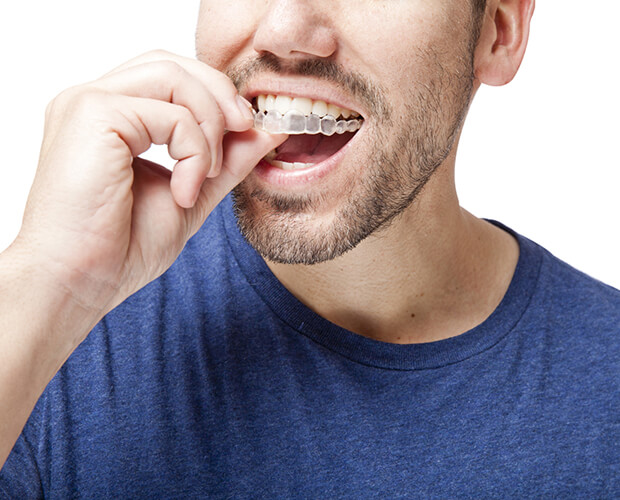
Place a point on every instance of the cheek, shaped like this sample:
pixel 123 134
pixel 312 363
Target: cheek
pixel 224 29
pixel 388 45
pixel 409 49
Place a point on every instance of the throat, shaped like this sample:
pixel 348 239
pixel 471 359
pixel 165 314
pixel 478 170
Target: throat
pixel 452 293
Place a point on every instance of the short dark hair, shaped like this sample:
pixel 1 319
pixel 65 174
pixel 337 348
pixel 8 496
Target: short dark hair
pixel 478 8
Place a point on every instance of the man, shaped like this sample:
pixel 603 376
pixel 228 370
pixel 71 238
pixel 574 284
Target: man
pixel 373 339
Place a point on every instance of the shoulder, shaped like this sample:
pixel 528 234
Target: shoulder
pixel 572 317
pixel 568 318
pixel 579 298
pixel 559 293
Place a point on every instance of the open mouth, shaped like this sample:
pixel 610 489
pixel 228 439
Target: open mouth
pixel 317 129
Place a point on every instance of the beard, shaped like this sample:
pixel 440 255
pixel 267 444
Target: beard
pixel 405 150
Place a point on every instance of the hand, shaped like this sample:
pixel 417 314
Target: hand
pixel 103 222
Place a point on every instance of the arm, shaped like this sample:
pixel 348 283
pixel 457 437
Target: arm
pixel 100 223
pixel 40 325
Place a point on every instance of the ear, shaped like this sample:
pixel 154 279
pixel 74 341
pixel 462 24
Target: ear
pixel 503 39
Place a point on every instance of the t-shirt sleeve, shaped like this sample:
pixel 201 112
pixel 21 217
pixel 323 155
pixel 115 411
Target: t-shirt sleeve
pixel 19 477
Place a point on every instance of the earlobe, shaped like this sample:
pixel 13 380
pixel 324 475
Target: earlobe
pixel 503 39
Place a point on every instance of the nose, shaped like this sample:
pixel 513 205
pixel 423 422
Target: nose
pixel 295 29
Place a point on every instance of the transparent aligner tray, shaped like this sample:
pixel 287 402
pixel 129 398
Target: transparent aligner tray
pixel 295 122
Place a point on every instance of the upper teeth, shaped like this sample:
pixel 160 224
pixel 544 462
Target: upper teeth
pixel 300 115
pixel 283 104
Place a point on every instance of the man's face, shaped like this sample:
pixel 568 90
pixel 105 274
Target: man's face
pixel 404 65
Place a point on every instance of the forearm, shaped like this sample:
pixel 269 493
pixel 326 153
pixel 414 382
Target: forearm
pixel 41 323
pixel 101 222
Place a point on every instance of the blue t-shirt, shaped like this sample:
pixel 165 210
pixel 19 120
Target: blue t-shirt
pixel 214 381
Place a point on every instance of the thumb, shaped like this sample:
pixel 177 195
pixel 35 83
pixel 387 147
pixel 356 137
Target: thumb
pixel 242 152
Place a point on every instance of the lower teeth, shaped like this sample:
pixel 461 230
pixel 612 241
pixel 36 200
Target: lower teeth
pixel 294 122
pixel 285 165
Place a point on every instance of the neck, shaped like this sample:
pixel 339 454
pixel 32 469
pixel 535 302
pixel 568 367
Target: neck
pixel 434 273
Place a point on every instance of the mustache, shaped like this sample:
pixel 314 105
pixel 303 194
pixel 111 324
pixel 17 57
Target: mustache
pixel 361 88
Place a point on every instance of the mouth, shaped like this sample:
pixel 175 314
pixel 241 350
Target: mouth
pixel 317 129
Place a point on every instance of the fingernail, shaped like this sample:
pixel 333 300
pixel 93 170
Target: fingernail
pixel 245 107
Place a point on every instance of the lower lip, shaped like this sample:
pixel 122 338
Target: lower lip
pixel 291 178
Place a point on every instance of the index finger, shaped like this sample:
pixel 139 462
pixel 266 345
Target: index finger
pixel 217 83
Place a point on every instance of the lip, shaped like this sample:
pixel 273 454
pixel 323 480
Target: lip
pixel 315 89
pixel 318 90
pixel 302 178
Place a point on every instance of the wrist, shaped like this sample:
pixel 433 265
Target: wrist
pixel 42 307
pixel 40 326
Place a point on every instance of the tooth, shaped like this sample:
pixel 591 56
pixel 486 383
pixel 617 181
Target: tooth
pixel 283 103
pixel 333 110
pixel 319 108
pixel 271 123
pixel 341 126
pixel 353 125
pixel 286 165
pixel 299 115
pixel 270 102
pixel 313 124
pixel 302 104
pixel 294 122
pixel 259 119
pixel 261 102
pixel 328 125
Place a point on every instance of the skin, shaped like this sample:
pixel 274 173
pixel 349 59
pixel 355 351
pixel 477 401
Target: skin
pixel 434 46
pixel 434 271
pixel 100 224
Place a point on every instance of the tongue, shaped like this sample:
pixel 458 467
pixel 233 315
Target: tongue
pixel 307 148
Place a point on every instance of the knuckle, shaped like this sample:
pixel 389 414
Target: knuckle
pixel 49 110
pixel 184 114
pixel 166 72
pixel 168 66
pixel 158 54
pixel 76 103
pixel 83 100
pixel 64 101
pixel 213 130
pixel 61 100
pixel 173 69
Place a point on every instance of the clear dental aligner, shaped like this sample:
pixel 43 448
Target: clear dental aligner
pixel 294 122
pixel 283 114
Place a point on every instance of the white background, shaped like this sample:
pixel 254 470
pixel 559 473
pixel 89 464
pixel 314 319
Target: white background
pixel 540 154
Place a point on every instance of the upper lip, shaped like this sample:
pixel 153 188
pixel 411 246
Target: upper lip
pixel 301 87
